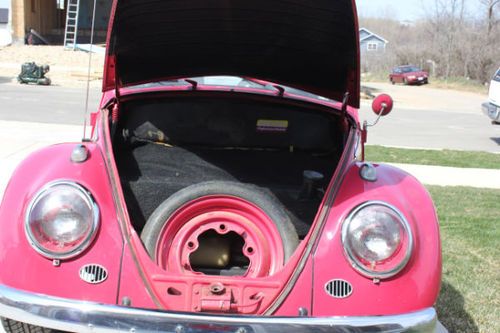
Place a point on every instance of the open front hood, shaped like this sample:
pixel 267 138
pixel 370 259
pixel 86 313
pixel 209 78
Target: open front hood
pixel 306 44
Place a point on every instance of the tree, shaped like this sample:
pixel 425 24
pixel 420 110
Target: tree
pixel 447 39
pixel 490 6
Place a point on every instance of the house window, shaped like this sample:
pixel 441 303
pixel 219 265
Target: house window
pixel 372 46
pixel 4 16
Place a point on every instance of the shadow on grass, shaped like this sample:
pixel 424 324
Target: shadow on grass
pixel 451 312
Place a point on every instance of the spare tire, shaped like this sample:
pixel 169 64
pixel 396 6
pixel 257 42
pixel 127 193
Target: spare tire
pixel 172 232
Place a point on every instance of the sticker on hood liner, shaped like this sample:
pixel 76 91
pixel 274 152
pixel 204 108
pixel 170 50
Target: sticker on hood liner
pixel 269 125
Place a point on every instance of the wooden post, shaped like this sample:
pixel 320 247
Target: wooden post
pixel 18 22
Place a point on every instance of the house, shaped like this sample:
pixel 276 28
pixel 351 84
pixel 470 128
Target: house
pixel 5 31
pixel 371 42
pixel 49 19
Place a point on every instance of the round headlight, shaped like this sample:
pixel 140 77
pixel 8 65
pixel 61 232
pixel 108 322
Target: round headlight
pixel 377 239
pixel 62 220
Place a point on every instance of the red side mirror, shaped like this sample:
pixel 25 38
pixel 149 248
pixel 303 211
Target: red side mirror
pixel 382 104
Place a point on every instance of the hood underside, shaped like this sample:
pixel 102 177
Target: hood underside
pixel 310 45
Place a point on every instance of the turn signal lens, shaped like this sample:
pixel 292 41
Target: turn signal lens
pixel 62 220
pixel 377 239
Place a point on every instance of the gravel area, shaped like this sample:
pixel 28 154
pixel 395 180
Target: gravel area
pixel 428 98
pixel 67 68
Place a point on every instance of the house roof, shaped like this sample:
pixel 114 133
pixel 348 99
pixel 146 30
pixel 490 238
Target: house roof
pixel 371 35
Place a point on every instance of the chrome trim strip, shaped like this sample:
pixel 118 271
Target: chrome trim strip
pixel 78 316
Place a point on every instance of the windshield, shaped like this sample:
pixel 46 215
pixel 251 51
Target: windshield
pixel 230 81
pixel 410 69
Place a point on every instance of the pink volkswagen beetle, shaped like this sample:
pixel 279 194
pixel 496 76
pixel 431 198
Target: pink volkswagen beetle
pixel 223 188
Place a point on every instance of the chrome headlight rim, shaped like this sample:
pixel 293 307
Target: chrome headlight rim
pixel 88 239
pixel 359 266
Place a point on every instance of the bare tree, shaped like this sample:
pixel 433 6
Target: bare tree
pixel 448 39
pixel 490 6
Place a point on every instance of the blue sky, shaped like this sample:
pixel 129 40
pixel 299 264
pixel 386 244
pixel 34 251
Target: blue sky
pixel 400 9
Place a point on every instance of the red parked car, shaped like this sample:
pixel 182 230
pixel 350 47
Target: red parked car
pixel 409 75
pixel 223 188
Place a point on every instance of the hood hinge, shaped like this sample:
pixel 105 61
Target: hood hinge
pixel 115 106
pixel 345 102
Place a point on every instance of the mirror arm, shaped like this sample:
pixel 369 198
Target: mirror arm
pixel 364 131
pixel 384 106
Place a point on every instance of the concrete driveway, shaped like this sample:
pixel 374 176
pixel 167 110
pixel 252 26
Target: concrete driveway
pixel 427 98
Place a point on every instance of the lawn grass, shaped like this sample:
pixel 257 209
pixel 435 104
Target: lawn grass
pixel 451 158
pixel 469 220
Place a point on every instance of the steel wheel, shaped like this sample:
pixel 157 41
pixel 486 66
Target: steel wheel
pixel 173 232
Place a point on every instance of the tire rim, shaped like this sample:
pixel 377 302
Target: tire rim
pixel 223 214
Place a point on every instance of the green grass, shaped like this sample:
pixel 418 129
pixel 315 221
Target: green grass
pixel 451 158
pixel 469 220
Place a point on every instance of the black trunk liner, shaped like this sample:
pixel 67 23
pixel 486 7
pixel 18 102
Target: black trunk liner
pixel 150 173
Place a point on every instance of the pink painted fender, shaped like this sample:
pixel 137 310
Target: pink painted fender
pixel 417 286
pixel 22 267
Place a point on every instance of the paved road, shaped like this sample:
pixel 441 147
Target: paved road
pixel 436 129
pixel 433 118
pixel 460 126
pixel 52 104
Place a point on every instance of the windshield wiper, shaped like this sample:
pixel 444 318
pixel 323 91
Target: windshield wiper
pixel 280 89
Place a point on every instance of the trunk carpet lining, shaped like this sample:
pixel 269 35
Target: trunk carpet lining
pixel 150 173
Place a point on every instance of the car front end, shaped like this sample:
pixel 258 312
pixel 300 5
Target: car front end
pixel 492 107
pixel 77 316
pixel 224 188
pixel 492 111
pixel 417 78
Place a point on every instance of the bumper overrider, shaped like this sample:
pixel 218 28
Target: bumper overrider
pixel 77 316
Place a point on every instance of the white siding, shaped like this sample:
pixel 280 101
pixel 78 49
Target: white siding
pixel 5 29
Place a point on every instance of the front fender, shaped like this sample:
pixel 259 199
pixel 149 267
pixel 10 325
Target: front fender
pixel 417 286
pixel 22 267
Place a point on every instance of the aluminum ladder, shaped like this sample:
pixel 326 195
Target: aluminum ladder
pixel 71 30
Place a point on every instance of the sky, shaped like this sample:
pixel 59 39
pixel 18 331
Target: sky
pixel 402 9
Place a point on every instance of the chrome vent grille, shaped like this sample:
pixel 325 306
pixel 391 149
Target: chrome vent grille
pixel 338 288
pixel 93 273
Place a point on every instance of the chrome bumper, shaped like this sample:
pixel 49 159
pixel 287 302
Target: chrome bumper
pixel 76 316
pixel 492 111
